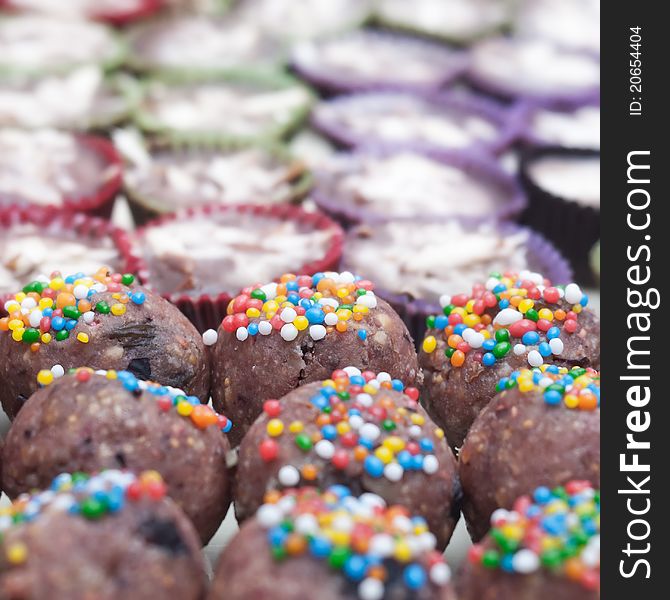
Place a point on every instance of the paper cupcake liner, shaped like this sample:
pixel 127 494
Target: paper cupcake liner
pixel 484 168
pixel 543 257
pixel 150 125
pixel 206 311
pixel 483 107
pixel 572 227
pixel 100 202
pixel 341 83
pixel 144 209
pixel 81 225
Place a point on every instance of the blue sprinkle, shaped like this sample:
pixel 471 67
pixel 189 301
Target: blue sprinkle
pixel 405 459
pixel 292 286
pixel 506 563
pixel 293 298
pixel 553 332
pixel 503 304
pixel 489 344
pixel 373 466
pixel 355 567
pixel 317 277
pixel 70 324
pixel 530 338
pixel 320 547
pixel 319 401
pixel 329 432
pixel 542 495
pixel 363 334
pixel 341 491
pixel 57 323
pixel 227 427
pixel 397 385
pixel 414 576
pixel 499 288
pixel 366 443
pixel 460 328
pixel 544 349
pixel 277 536
pixel 315 315
pixel 585 300
pixel 552 397
pixel 357 380
pixel 194 400
pixel 426 444
pixel 47 312
pixel 252 328
pixel 553 369
pixel 138 297
pixel 488 360
pixel 70 279
pixel 417 462
pixel 441 321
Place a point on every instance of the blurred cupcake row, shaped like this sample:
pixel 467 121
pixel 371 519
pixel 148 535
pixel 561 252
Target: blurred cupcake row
pixel 421 146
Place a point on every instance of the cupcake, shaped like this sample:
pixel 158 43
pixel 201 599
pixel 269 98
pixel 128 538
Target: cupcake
pixel 201 44
pixel 201 258
pixel 534 69
pixel 53 168
pixel 569 24
pixel 388 185
pixel 457 21
pixel 39 45
pixel 558 125
pixel 362 430
pixel 547 546
pixel 40 241
pixel 235 108
pixel 368 59
pixel 451 121
pixel 372 551
pixel 279 336
pixel 511 322
pixel 93 100
pixel 160 179
pixel 103 321
pixel 110 420
pixel 542 428
pixel 416 262
pixel 116 532
pixel 563 188
pixel 116 12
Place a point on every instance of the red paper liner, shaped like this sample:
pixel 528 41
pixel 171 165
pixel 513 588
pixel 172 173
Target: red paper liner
pixel 81 225
pixel 206 311
pixel 99 203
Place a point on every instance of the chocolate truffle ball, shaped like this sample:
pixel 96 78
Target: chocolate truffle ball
pixel 107 536
pixel 364 431
pixel 352 548
pixel 512 322
pixel 279 336
pixel 101 322
pixel 87 421
pixel 548 546
pixel 543 428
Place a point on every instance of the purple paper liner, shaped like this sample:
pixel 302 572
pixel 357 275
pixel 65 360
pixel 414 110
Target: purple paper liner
pixel 343 83
pixel 543 257
pixel 500 116
pixel 480 166
pixel 572 227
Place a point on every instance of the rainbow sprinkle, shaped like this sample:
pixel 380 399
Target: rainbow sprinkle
pixel 518 326
pixel 320 304
pixel 576 388
pixel 358 536
pixel 167 397
pixel 91 497
pixel 356 422
pixel 51 307
pixel 558 530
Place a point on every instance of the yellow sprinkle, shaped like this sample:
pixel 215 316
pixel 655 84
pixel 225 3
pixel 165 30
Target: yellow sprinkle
pixel 111 374
pixel 384 454
pixel 328 383
pixel 13 307
pixel 402 552
pixel 545 313
pixel 343 427
pixel 20 297
pixel 296 427
pixel 526 385
pixel 17 334
pixel 343 314
pixel 275 427
pixel 17 553
pixel 439 433
pixel 82 337
pixel 571 401
pixel 577 308
pixel 526 305
pixel 151 476
pixel 118 309
pixel 253 313
pixel 370 389
pixel 394 443
pixel 184 408
pixel 45 377
pixel 46 338
pixel 270 306
pixel 301 323
pixel 485 333
pixel 471 320
pixel 359 308
pixel 116 295
pixel 429 344
pixel 417 419
pixel 46 303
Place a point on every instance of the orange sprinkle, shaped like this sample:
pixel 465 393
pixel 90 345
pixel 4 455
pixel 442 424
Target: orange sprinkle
pixel 360 453
pixel 203 416
pixel 341 326
pixel 457 358
pixel 65 299
pixel 587 401
pixel 4 324
pixel 296 544
pixel 309 472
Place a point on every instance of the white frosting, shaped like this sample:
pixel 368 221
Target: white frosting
pixel 458 19
pixel 364 56
pixel 400 118
pixel 408 184
pixel 228 108
pixel 534 67
pixel 77 8
pixel 198 42
pixel 575 129
pixel 429 260
pixel 569 23
pixel 214 255
pixel 27 251
pixel 574 178
pixel 40 103
pixel 44 43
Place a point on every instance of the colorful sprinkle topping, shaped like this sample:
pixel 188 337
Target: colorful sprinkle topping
pixel 531 318
pixel 49 308
pixel 357 536
pixel 576 388
pixel 90 497
pixel 320 303
pixel 558 530
pixel 167 397
pixel 356 422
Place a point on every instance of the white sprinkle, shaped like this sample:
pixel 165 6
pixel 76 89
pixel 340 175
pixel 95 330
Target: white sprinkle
pixel 535 358
pixel 499 514
pixel 210 337
pixel 242 333
pixel 573 294
pixel 393 472
pixel 329 302
pixel 507 316
pixel 372 500
pixel 286 504
pixel 364 399
pixel 415 431
pixel 330 319
pixel 369 431
pixel 324 449
pixel 371 589
pixel 342 523
pixel 289 332
pixel 346 277
pixel 306 524
pixel 381 545
pixel 288 476
pixel 288 315
pixel 352 371
pixel 265 328
pixel 268 516
pixel 476 339
pixel 545 382
pixel 317 332
pixel 35 318
pixel 445 300
pixel 430 464
pixel 368 299
pixel 440 574
pixel 57 371
pixel 519 349
pixel 28 303
pixel 270 291
pixel 556 345
pixel 402 523
pixel 491 282
pixel 356 421
pixel 80 291
pixel 383 376
pixel 89 317
pixel 525 561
